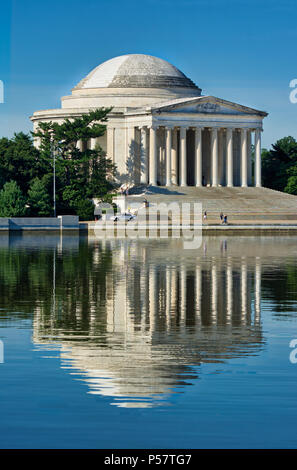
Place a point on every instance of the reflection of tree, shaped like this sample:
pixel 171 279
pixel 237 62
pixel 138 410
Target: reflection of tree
pixel 26 277
pixel 280 286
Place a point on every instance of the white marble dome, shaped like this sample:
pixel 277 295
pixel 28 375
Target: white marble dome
pixel 136 71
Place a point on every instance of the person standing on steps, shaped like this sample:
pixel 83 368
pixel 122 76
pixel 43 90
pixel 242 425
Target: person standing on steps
pixel 221 217
pixel 205 215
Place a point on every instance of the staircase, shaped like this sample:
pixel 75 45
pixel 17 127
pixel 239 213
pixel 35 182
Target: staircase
pixel 246 205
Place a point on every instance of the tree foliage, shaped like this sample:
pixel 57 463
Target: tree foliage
pixel 279 165
pixel 39 198
pixel 81 173
pixel 12 201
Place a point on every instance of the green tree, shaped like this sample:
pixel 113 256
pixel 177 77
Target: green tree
pixel 291 186
pixel 21 161
pixel 278 162
pixel 39 199
pixel 12 201
pixel 81 174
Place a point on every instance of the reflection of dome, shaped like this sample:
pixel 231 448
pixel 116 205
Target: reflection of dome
pixel 161 314
pixel 136 71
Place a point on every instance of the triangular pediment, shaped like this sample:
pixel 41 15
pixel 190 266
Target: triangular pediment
pixel 204 105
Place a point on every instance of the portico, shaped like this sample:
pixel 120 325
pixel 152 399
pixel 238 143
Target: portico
pixel 196 156
pixel 201 141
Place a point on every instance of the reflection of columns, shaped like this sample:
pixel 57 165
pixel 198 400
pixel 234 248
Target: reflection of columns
pixel 183 156
pixel 229 282
pixel 174 162
pixel 257 291
pixel 229 157
pixel 174 306
pixel 168 156
pixel 153 297
pixel 214 155
pixel 244 158
pixel 198 292
pixel 214 293
pixel 144 287
pixel 183 294
pixel 258 157
pixel 168 295
pixel 153 157
pixel 143 156
pixel 198 156
pixel 243 285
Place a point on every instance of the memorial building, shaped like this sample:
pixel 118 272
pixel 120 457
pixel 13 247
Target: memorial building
pixel 162 130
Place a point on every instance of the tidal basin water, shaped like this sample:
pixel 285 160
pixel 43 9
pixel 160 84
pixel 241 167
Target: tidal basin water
pixel 143 344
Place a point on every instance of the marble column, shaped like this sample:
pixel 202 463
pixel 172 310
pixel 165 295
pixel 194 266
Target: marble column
pixel 229 142
pixel 214 156
pixel 79 145
pixel 110 143
pixel 198 156
pixel 93 142
pixel 244 158
pixel 143 156
pixel 174 162
pixel 183 156
pixel 258 158
pixel 249 157
pixel 131 155
pixel 168 155
pixel 153 157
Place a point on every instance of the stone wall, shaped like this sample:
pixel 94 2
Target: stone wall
pixel 63 222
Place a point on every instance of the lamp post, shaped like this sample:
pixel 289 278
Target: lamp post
pixel 54 172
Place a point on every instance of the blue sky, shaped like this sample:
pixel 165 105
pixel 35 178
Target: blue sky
pixel 240 50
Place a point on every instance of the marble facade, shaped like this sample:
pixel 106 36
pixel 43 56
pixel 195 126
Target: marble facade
pixel 161 130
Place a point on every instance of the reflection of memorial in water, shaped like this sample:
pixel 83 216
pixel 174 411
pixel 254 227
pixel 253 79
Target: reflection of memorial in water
pixel 165 313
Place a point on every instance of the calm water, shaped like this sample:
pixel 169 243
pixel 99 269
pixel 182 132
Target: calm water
pixel 126 344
